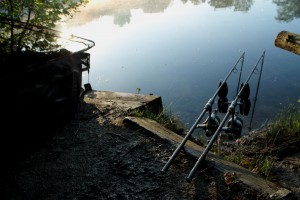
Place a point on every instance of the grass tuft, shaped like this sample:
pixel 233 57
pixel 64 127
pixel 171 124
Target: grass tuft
pixel 166 118
pixel 260 152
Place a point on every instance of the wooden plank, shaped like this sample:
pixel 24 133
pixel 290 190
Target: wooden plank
pixel 288 41
pixel 222 165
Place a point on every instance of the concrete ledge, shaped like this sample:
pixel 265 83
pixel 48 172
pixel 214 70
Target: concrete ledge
pixel 114 106
pixel 123 101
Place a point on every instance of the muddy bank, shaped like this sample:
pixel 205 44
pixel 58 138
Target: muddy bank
pixel 97 156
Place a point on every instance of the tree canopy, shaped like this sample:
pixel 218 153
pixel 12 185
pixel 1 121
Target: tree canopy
pixel 24 24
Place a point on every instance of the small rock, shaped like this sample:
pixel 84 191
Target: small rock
pixel 281 193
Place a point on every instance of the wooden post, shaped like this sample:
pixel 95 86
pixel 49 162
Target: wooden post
pixel 288 41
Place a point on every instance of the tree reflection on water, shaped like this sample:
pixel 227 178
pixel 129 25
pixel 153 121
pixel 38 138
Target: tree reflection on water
pixel 287 10
pixel 121 10
pixel 239 5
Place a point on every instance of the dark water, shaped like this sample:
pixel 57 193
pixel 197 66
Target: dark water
pixel 181 49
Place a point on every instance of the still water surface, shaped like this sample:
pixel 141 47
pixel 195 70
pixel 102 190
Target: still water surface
pixel 181 49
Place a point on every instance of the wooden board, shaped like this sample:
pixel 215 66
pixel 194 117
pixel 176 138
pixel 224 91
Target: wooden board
pixel 222 165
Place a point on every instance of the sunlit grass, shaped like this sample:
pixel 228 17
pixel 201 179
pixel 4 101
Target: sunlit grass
pixel 286 124
pixel 281 138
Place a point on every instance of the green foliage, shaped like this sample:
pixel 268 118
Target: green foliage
pixel 286 124
pixel 17 18
pixel 138 90
pixel 262 164
pixel 235 157
pixel 282 136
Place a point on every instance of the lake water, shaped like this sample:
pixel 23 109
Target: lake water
pixel 181 49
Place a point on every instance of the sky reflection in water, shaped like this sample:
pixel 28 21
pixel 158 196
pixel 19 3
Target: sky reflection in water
pixel 182 49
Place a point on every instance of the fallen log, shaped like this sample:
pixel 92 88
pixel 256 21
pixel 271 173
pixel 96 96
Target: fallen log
pixel 288 41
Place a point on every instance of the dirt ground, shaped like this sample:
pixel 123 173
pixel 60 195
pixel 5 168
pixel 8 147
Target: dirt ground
pixel 96 156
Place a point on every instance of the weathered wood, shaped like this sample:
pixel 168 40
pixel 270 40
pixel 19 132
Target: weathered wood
pixel 222 165
pixel 288 41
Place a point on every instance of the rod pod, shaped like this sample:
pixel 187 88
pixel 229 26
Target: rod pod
pixel 231 111
pixel 207 108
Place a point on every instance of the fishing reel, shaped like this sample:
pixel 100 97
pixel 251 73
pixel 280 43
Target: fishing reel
pixel 210 125
pixel 235 124
pixel 234 127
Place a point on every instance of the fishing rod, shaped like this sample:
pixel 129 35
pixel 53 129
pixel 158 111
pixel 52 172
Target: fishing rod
pixel 255 98
pixel 221 91
pixel 243 95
